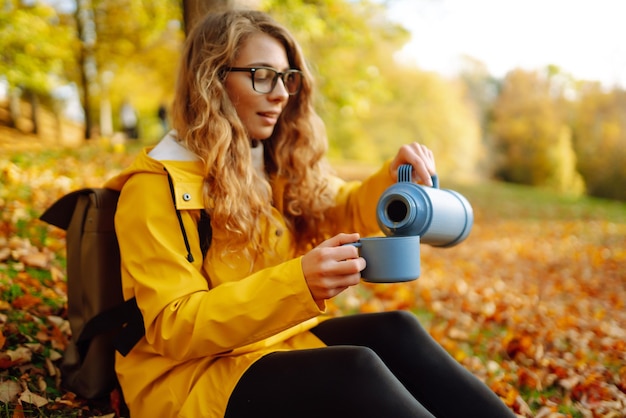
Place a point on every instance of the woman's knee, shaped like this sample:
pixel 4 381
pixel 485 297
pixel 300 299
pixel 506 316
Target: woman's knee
pixel 404 317
pixel 355 358
pixel 402 322
pixel 357 364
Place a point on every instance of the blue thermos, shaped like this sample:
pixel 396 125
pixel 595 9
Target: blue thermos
pixel 441 218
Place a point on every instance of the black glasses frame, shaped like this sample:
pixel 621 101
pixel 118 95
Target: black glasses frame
pixel 282 74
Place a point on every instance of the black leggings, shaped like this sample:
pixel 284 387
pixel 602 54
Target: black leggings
pixel 376 365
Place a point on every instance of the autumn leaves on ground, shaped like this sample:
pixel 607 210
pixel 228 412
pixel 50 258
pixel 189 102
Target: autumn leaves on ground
pixel 533 302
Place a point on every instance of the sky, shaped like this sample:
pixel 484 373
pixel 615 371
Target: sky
pixel 585 38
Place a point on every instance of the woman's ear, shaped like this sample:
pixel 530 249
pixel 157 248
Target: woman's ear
pixel 222 73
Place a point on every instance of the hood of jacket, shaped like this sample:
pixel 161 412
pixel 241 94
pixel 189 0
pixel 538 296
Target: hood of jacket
pixel 168 158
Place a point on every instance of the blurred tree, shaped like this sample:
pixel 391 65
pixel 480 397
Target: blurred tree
pixel 434 111
pixel 481 87
pixel 94 44
pixel 531 134
pixel 121 58
pixel 600 140
pixel 86 35
pixel 481 90
pixel 370 103
pixel 347 43
pixel 34 46
pixel 141 53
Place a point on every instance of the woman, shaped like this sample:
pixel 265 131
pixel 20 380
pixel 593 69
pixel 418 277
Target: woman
pixel 240 333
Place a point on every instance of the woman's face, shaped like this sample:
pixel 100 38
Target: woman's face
pixel 259 112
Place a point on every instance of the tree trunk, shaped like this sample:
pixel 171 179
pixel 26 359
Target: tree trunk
pixel 14 106
pixel 34 110
pixel 195 9
pixel 79 16
pixel 106 116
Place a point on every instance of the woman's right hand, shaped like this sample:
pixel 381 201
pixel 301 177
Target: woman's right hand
pixel 331 267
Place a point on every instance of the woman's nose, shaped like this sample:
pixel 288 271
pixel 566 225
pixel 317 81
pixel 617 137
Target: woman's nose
pixel 280 91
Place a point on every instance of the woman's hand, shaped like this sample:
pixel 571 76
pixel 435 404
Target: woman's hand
pixel 421 159
pixel 331 267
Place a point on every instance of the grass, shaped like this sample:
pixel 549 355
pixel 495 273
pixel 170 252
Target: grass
pixel 513 201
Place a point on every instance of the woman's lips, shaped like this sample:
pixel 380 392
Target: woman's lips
pixel 269 117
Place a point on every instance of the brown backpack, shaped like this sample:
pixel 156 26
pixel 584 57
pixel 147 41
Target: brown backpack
pixel 100 320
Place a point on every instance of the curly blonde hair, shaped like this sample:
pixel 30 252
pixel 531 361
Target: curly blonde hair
pixel 237 198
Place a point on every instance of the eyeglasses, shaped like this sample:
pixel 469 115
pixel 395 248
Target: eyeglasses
pixel 264 79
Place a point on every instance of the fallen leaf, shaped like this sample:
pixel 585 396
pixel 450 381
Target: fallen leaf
pixel 18 412
pixel 9 389
pixel 26 302
pixel 5 253
pixel 38 260
pixel 20 355
pixel 50 367
pixel 54 355
pixel 33 399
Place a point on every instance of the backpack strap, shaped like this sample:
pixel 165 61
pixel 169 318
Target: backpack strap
pixel 205 232
pixel 134 329
pixel 126 316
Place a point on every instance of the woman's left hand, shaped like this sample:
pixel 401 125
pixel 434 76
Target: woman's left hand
pixel 421 159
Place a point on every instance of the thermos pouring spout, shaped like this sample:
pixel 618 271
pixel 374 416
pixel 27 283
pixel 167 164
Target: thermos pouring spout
pixel 441 218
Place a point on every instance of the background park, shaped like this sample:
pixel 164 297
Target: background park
pixel 533 302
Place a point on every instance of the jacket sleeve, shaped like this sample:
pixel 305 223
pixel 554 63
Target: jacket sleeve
pixel 355 208
pixel 183 317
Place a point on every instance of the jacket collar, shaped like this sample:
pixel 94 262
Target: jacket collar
pixel 169 149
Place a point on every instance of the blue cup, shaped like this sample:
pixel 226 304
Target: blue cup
pixel 390 259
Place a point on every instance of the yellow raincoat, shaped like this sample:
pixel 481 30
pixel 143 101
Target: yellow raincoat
pixel 207 322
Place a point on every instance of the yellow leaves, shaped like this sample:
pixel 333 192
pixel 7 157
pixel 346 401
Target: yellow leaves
pixel 22 251
pixel 516 346
pixel 506 392
pixel 394 296
pixel 26 302
pixel 368 297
